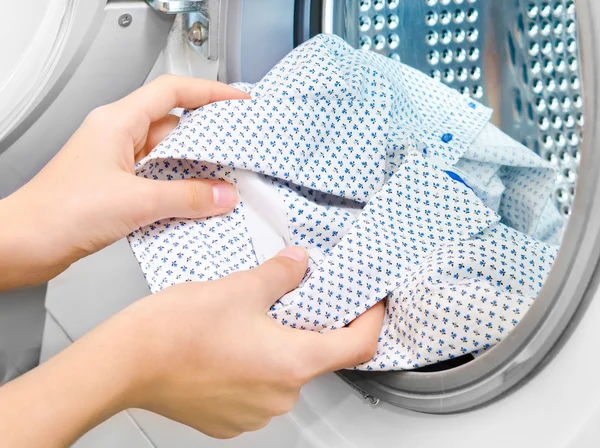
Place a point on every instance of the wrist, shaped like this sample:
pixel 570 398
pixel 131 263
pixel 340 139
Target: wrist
pixel 106 367
pixel 28 248
pixel 141 365
pixel 19 260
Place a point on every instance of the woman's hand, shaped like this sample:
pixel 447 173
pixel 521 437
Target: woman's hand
pixel 88 196
pixel 204 354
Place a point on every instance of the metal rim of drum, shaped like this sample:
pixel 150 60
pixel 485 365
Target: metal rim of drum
pixel 556 311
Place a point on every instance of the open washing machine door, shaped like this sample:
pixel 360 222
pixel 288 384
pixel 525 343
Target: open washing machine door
pixel 71 57
pixel 527 59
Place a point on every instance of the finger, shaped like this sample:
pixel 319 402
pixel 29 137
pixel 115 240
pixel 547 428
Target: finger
pixel 156 133
pixel 277 276
pixel 346 347
pixel 188 198
pixel 374 316
pixel 157 98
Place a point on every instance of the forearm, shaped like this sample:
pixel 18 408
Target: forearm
pixel 57 402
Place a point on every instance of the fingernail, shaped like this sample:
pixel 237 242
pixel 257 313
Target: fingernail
pixel 294 252
pixel 225 195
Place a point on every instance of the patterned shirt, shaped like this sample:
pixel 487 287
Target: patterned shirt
pixel 398 186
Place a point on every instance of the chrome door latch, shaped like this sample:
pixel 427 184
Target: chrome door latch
pixel 176 6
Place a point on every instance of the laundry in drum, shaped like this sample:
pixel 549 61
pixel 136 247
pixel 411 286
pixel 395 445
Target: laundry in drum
pixel 398 186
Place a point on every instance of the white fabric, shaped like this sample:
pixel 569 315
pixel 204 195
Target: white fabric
pixel 397 185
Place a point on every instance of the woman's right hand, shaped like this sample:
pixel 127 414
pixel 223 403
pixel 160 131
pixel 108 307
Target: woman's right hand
pixel 210 357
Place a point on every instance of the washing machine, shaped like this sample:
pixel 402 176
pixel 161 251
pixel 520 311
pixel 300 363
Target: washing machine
pixel 533 61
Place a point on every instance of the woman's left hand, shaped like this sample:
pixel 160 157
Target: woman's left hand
pixel 88 196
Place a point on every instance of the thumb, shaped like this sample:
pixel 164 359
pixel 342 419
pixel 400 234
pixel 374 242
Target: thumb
pixel 275 277
pixel 188 198
pixel 346 347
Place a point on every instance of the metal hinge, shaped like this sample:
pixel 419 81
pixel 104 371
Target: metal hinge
pixel 370 398
pixel 176 6
pixel 201 22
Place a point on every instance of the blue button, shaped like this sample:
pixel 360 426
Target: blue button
pixel 457 178
pixel 447 138
pixel 472 105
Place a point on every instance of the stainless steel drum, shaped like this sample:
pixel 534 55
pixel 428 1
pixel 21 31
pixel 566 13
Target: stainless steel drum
pixel 519 57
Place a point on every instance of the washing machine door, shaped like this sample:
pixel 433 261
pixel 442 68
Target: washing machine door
pixel 61 59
